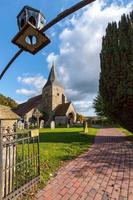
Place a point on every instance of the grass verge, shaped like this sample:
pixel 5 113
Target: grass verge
pixel 126 132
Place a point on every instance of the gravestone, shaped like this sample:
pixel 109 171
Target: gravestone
pixel 42 124
pixel 52 125
pixel 20 125
pixel 68 125
pixel 85 127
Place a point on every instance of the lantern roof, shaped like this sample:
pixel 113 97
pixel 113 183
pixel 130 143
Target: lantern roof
pixel 29 8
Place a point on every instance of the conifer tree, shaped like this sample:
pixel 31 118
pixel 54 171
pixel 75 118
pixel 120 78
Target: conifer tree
pixel 116 78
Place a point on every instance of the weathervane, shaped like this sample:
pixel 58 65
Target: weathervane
pixel 32 25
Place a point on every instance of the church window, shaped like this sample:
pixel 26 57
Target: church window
pixel 58 94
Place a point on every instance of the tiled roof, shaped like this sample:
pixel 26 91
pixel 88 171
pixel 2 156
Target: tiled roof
pixel 62 109
pixel 24 108
pixel 7 113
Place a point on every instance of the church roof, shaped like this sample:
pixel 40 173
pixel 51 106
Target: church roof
pixel 24 108
pixel 62 109
pixel 7 114
pixel 52 79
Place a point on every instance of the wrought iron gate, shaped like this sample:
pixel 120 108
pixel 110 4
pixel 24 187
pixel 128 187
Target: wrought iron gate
pixel 19 163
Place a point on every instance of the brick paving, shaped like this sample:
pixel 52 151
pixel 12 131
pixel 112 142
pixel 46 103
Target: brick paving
pixel 104 172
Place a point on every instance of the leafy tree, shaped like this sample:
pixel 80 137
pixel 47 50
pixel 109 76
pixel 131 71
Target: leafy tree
pixel 99 107
pixel 80 118
pixel 7 101
pixel 116 78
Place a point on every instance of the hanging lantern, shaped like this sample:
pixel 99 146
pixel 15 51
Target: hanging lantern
pixel 30 38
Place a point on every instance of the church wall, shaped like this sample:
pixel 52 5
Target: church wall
pixel 46 104
pixel 57 99
pixel 29 115
pixel 71 110
pixel 60 120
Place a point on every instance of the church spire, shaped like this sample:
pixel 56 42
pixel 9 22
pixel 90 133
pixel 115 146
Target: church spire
pixel 52 79
pixel 52 76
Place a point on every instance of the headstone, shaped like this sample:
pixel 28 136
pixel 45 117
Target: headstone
pixel 52 125
pixel 20 125
pixel 68 125
pixel 86 128
pixel 42 124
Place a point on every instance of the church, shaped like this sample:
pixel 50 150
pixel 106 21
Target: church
pixel 52 103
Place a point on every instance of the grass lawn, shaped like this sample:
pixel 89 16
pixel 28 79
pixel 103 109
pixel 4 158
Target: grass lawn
pixel 126 132
pixel 61 144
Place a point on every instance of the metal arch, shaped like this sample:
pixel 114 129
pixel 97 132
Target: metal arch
pixel 66 13
pixel 10 62
pixel 59 17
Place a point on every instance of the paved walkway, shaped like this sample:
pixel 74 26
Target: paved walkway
pixel 105 172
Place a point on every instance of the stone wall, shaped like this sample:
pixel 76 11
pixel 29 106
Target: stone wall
pixel 6 123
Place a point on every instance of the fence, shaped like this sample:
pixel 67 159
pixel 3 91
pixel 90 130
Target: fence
pixel 19 163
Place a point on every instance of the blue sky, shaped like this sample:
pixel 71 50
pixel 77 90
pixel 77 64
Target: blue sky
pixel 26 63
pixel 75 48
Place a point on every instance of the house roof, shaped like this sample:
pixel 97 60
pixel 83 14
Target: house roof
pixel 7 113
pixel 52 79
pixel 24 108
pixel 62 109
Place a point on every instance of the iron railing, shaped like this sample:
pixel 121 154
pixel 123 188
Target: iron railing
pixel 19 163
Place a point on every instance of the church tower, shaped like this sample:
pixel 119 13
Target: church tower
pixel 52 94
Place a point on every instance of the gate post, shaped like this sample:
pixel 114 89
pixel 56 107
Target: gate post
pixel 1 164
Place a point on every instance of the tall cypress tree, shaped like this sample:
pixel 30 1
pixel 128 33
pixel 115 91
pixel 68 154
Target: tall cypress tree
pixel 116 78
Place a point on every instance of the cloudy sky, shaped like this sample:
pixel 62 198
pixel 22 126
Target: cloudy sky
pixel 75 48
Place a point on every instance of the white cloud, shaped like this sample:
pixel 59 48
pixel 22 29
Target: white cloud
pixel 19 101
pixel 84 107
pixel 35 84
pixel 52 58
pixel 26 92
pixel 37 81
pixel 80 45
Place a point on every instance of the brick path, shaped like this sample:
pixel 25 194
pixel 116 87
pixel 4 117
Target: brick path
pixel 105 172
